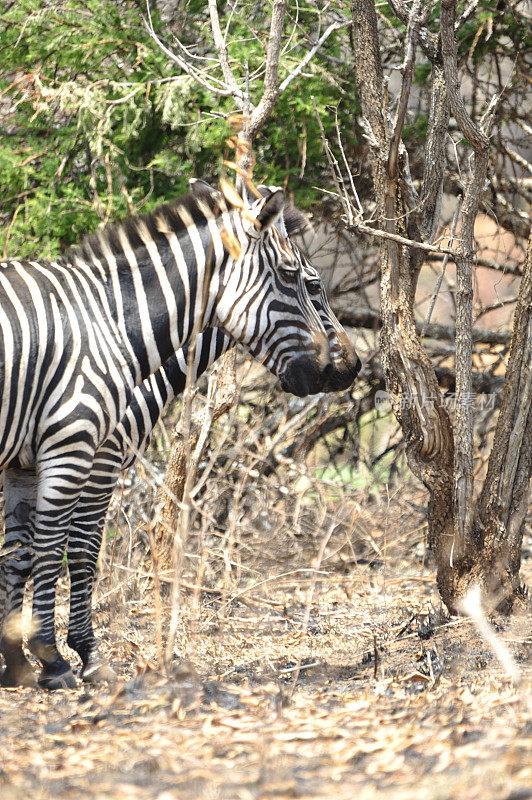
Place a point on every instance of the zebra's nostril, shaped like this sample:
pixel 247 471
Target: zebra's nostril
pixel 323 355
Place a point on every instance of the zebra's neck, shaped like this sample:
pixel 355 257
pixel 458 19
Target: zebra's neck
pixel 161 275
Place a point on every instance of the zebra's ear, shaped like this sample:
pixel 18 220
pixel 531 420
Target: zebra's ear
pixel 270 210
pixel 201 188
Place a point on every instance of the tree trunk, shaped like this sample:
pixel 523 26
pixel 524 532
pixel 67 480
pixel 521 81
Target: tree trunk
pixel 486 547
pixel 504 499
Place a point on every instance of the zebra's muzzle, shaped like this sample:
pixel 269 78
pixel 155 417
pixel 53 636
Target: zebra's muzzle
pixel 303 376
pixel 340 376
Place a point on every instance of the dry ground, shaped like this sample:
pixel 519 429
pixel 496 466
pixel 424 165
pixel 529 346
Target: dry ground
pixel 392 699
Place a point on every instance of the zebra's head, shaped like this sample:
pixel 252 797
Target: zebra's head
pixel 345 364
pixel 259 296
pixel 270 299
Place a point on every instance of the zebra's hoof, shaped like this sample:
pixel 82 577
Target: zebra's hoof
pixel 98 671
pixel 51 682
pixel 24 676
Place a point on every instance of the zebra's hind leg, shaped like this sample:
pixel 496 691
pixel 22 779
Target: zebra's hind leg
pixel 15 569
pixel 18 670
pixel 84 544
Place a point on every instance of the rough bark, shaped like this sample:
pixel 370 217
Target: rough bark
pixel 463 427
pixel 503 501
pixel 409 375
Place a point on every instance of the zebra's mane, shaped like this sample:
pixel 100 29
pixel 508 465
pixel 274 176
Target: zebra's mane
pixel 109 237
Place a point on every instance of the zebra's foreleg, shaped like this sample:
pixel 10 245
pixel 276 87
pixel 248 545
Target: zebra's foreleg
pixel 84 544
pixel 57 497
pixel 20 490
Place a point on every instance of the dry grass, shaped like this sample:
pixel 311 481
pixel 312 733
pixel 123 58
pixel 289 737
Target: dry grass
pixel 313 659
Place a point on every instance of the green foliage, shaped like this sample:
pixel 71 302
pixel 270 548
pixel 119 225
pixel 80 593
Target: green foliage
pixel 95 118
pixel 422 72
pixel 494 27
pixel 416 132
pixel 99 122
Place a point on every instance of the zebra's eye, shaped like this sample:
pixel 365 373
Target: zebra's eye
pixel 288 274
pixel 313 287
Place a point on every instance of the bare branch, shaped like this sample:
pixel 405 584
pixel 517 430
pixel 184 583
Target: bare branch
pixel 467 13
pixel 274 47
pixel 270 94
pixel 507 269
pixel 355 318
pixel 335 170
pixel 395 237
pixel 477 139
pixel 354 192
pixel 517 158
pixel 212 85
pixel 474 135
pixel 432 185
pixel 427 40
pixel 445 260
pixel 221 48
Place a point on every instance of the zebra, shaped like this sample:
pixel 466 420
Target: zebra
pixel 128 441
pixel 79 333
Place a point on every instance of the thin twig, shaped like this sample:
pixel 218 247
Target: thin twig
pixel 212 84
pixel 221 48
pixel 346 165
pixel 157 597
pixel 444 265
pixel 335 170
pixel 395 237
pixel 335 26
